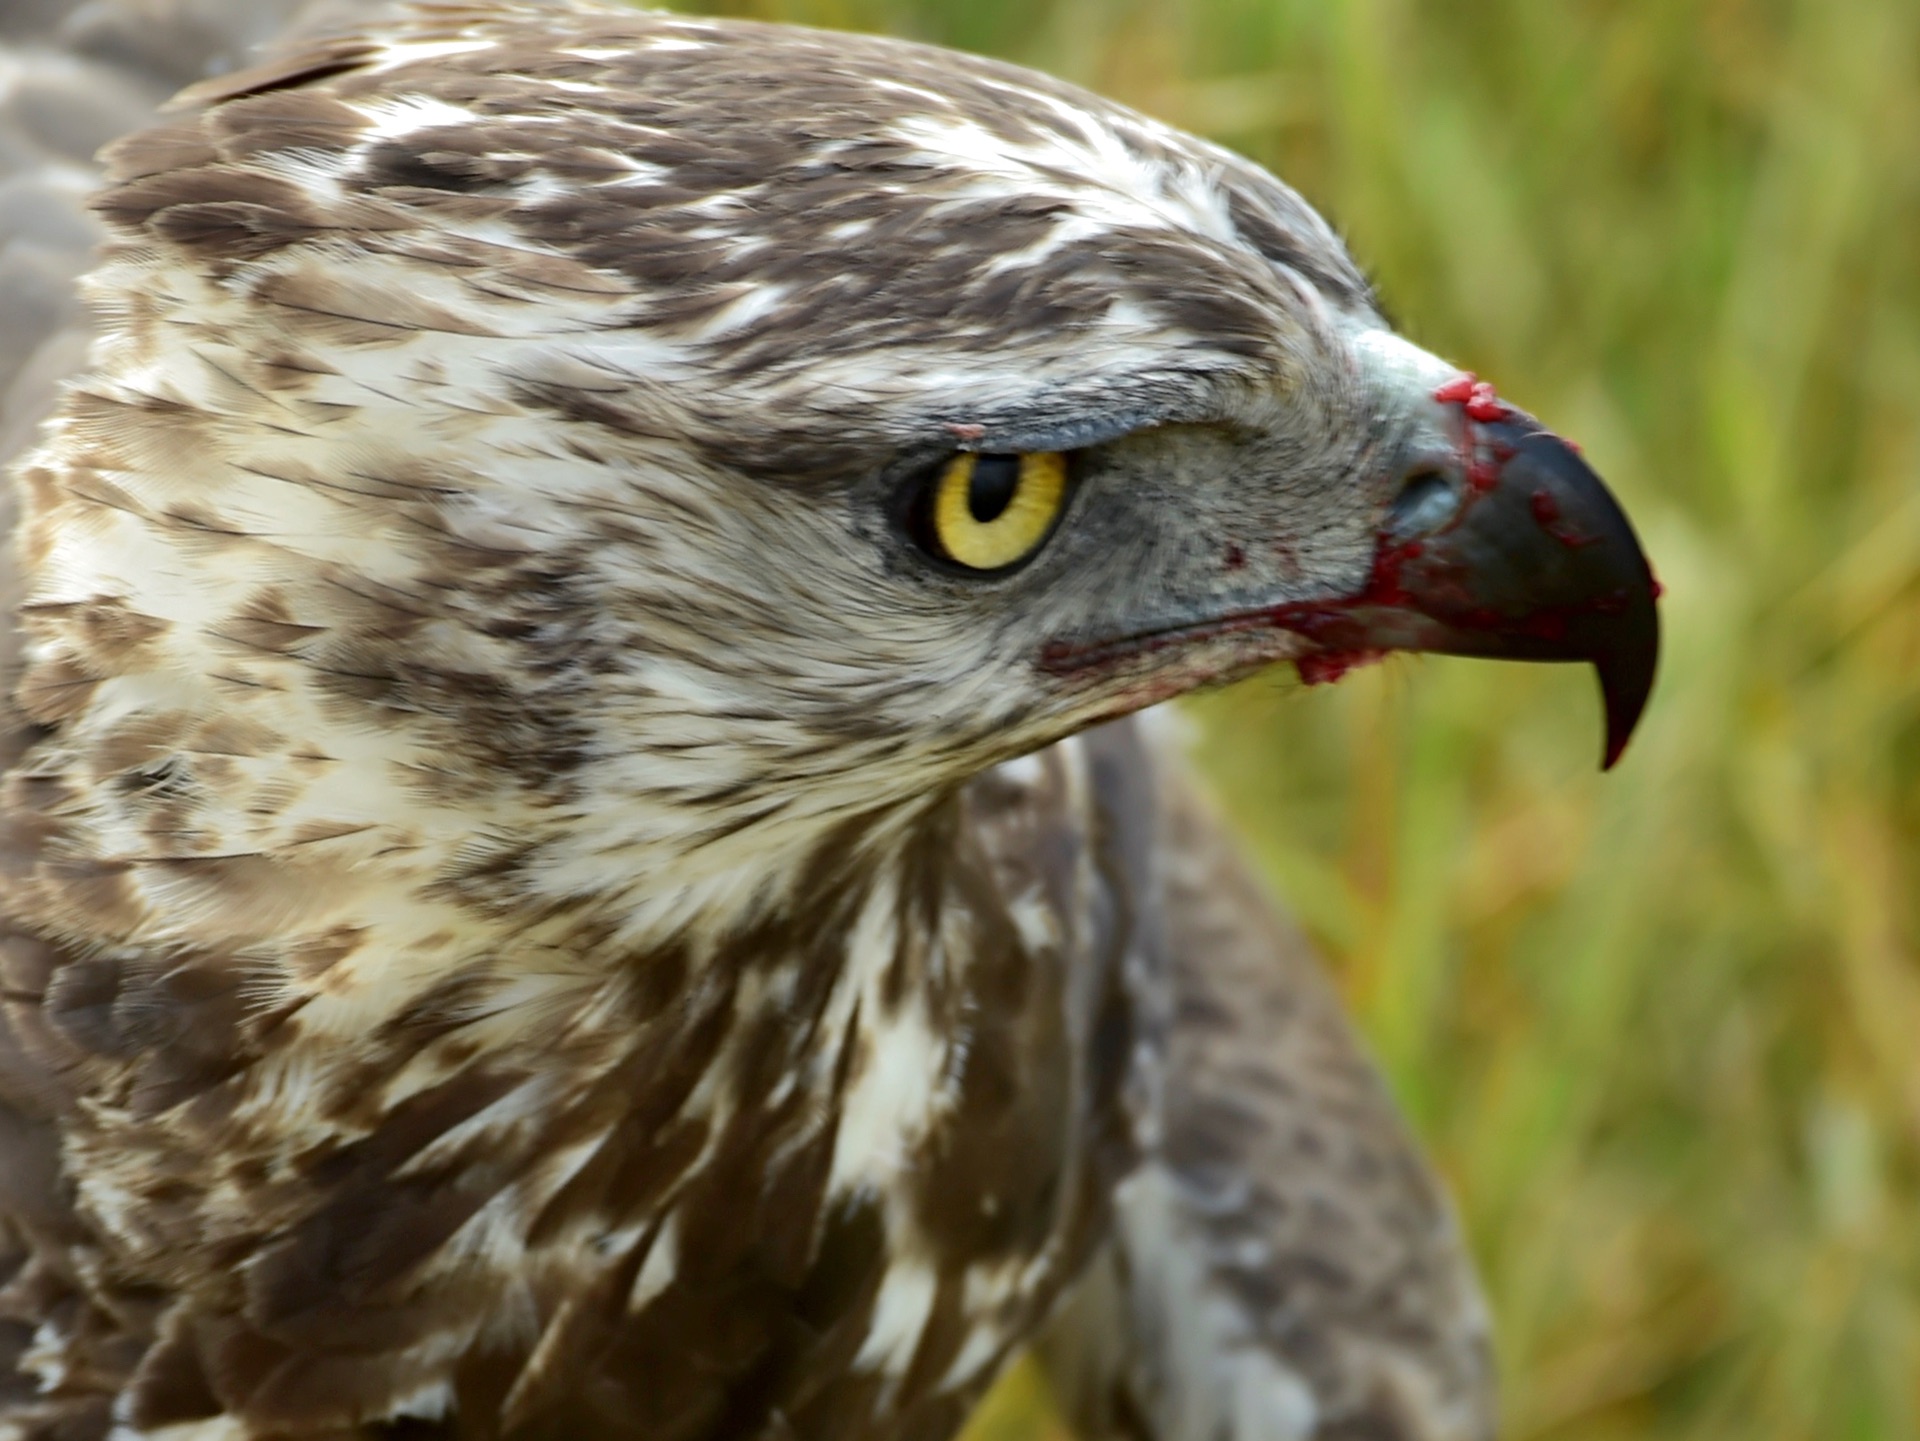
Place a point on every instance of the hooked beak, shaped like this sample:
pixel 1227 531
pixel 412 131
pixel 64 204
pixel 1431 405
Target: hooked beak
pixel 1526 557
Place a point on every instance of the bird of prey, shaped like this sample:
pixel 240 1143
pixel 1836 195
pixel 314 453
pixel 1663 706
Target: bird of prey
pixel 574 864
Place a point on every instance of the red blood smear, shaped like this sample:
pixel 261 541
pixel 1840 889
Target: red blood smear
pixel 1475 396
pixel 1484 405
pixel 1547 511
pixel 1236 557
pixel 1383 586
pixel 1326 667
pixel 1658 590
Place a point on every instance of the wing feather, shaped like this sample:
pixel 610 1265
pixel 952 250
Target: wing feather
pixel 1284 1266
pixel 72 77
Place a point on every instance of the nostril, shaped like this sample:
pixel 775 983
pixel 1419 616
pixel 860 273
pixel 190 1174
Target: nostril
pixel 1428 499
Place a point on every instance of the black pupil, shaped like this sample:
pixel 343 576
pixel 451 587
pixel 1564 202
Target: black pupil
pixel 990 492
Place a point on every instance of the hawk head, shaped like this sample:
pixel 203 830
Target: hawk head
pixel 552 450
pixel 561 501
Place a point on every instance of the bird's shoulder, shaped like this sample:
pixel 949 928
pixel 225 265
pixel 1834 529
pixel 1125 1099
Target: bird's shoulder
pixel 1284 1264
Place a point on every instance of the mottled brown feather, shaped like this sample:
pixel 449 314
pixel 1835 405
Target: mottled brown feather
pixel 181 1239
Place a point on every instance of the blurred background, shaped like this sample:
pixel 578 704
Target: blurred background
pixel 1661 1029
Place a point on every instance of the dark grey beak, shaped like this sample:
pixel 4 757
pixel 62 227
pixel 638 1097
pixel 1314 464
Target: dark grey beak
pixel 1526 557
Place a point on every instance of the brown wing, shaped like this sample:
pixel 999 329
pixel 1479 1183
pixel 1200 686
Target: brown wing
pixel 72 77
pixel 1284 1266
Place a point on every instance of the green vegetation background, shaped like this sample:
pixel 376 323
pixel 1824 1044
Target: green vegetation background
pixel 1661 1029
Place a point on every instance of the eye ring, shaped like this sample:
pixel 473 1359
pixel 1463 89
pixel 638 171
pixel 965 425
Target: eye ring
pixel 988 512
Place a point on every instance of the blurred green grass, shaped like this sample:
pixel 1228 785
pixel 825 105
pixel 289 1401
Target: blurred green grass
pixel 1662 1029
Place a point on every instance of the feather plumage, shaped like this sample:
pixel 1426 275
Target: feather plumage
pixel 492 954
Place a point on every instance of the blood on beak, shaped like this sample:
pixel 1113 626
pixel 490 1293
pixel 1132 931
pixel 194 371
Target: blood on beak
pixel 1523 554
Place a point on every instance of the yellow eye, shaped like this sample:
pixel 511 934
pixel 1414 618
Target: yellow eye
pixel 992 510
